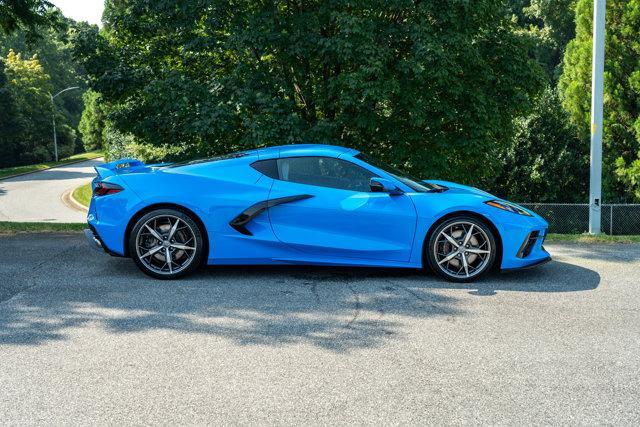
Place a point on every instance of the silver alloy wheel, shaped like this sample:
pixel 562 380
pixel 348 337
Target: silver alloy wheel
pixel 462 250
pixel 166 244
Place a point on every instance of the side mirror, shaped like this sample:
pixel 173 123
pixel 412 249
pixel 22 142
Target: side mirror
pixel 382 185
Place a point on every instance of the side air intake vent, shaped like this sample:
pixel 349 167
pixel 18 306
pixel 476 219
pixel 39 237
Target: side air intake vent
pixel 527 245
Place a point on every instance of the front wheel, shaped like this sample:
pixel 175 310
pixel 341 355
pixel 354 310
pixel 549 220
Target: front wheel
pixel 461 249
pixel 166 244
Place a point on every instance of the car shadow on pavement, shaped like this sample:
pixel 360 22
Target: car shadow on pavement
pixel 337 309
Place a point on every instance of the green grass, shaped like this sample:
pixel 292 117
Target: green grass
pixel 82 194
pixel 7 172
pixel 39 227
pixel 588 238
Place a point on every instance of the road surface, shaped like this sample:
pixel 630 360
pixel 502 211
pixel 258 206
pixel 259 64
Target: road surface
pixel 88 339
pixel 37 196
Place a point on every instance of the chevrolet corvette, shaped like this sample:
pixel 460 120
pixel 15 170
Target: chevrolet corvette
pixel 304 204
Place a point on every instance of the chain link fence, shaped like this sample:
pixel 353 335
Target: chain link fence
pixel 617 219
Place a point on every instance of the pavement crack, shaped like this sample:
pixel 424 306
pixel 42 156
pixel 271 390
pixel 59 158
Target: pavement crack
pixel 357 306
pixel 414 294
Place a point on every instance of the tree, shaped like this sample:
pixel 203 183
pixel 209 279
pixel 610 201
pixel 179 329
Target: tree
pixel 54 54
pixel 10 128
pixel 551 25
pixel 29 86
pixel 431 86
pixel 29 15
pixel 92 123
pixel 546 161
pixel 621 131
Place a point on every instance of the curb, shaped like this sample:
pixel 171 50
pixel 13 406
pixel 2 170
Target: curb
pixel 67 199
pixel 50 167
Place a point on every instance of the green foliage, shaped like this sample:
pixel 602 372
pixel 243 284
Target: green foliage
pixel 546 161
pixel 25 118
pixel 120 145
pixel 28 87
pixel 551 25
pixel 10 126
pixel 432 86
pixel 55 56
pixel 629 174
pixel 92 123
pixel 30 15
pixel 621 132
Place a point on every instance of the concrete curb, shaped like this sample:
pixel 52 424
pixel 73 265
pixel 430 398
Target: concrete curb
pixel 50 167
pixel 68 199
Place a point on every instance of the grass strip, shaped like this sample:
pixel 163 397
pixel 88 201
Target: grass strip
pixel 7 227
pixel 588 238
pixel 82 194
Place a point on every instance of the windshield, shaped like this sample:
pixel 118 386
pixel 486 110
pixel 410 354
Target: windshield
pixel 415 184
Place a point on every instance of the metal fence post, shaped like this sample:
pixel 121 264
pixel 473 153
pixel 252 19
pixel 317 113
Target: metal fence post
pixel 611 220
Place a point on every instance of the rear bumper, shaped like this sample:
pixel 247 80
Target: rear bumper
pixel 96 243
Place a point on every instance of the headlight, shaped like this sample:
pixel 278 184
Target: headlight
pixel 506 206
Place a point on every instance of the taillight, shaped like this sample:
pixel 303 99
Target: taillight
pixel 104 188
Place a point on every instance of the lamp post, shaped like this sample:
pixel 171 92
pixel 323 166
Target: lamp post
pixel 53 114
pixel 597 93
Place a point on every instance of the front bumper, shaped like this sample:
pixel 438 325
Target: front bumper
pixel 527 266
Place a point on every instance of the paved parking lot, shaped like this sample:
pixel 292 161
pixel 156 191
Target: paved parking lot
pixel 86 338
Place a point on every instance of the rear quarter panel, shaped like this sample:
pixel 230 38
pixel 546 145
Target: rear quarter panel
pixel 215 192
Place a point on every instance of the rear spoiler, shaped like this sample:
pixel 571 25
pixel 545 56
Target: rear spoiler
pixel 105 170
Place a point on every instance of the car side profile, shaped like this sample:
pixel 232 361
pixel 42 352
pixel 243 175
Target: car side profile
pixel 304 204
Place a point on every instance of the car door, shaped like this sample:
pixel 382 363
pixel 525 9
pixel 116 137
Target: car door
pixel 330 211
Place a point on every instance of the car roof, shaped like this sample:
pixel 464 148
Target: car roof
pixel 304 150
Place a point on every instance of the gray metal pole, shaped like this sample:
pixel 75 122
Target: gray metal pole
pixel 597 93
pixel 53 113
pixel 55 139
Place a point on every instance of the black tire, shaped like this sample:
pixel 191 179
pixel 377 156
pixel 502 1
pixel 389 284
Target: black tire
pixel 187 235
pixel 448 260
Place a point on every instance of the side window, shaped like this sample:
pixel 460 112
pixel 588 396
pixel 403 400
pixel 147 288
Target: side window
pixel 325 172
pixel 266 167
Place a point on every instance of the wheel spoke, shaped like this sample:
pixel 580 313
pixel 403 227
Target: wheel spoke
pixel 468 236
pixel 173 229
pixel 183 247
pixel 153 232
pixel 465 264
pixel 167 253
pixel 477 251
pixel 152 251
pixel 451 240
pixel 448 257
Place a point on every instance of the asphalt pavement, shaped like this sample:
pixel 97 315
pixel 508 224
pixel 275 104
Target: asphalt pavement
pixel 88 339
pixel 37 197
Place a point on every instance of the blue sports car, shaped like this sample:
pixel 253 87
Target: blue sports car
pixel 304 204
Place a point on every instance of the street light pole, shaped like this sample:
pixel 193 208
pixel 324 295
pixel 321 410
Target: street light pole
pixel 53 114
pixel 597 94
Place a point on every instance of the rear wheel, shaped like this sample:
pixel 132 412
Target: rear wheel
pixel 166 244
pixel 461 249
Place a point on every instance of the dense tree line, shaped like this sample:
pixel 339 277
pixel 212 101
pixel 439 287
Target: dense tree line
pixel 491 93
pixel 34 65
pixel 431 86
